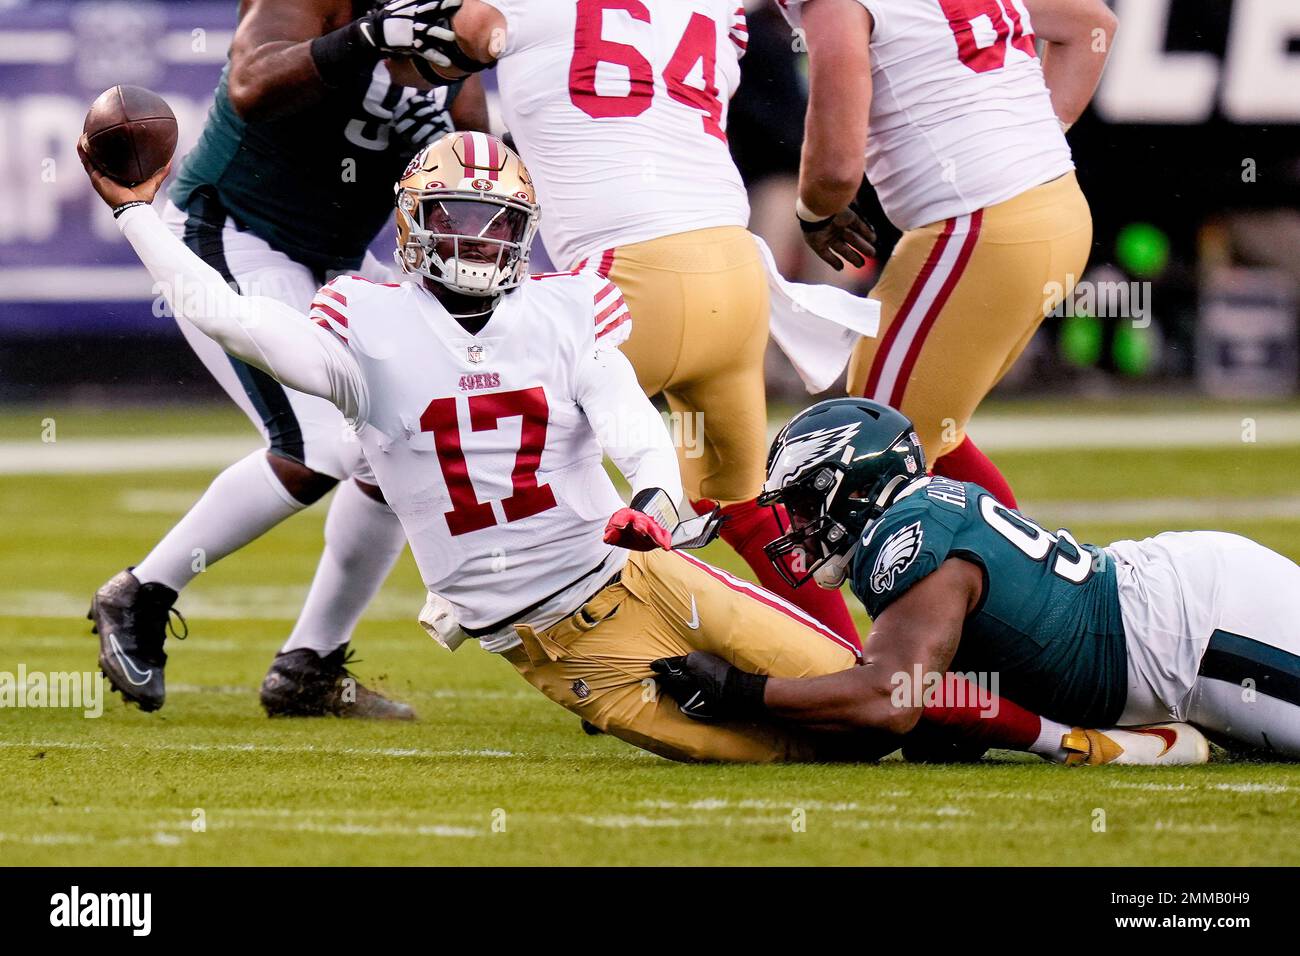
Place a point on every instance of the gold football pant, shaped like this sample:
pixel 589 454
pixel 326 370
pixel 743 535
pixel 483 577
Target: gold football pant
pixel 960 300
pixel 699 307
pixel 596 662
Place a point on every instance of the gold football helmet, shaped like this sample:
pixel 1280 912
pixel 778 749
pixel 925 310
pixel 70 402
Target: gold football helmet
pixel 467 214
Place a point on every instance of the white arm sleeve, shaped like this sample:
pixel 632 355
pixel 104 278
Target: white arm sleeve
pixel 263 332
pixel 626 424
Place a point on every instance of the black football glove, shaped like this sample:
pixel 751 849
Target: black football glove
pixel 843 237
pixel 707 688
pixel 423 118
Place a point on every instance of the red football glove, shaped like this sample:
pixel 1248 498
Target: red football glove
pixel 636 531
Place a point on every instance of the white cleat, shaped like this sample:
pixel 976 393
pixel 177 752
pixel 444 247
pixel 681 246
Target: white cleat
pixel 1154 745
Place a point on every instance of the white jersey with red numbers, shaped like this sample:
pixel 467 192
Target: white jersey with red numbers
pixel 619 108
pixel 488 447
pixel 961 118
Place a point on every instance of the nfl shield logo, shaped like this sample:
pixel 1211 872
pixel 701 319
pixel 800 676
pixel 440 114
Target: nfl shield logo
pixel 475 353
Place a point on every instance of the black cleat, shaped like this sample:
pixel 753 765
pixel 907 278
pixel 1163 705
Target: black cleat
pixel 301 683
pixel 132 621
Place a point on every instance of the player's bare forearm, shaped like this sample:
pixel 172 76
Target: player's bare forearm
pixel 272 71
pixel 1078 35
pixel 921 629
pixel 469 111
pixel 839 100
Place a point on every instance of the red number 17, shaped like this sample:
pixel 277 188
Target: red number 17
pixel 485 414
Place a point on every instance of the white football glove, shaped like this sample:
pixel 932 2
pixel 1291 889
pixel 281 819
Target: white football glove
pixel 412 28
pixel 438 619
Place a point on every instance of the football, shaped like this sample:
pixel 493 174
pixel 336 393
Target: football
pixel 130 133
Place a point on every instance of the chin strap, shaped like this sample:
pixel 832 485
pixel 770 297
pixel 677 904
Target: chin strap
pixel 833 572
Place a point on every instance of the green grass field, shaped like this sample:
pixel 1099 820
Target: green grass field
pixel 495 774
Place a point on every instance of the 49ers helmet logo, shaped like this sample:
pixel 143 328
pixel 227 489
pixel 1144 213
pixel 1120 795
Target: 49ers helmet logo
pixel 483 185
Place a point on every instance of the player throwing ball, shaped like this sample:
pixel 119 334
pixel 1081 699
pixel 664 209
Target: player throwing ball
pixel 1196 626
pixel 483 398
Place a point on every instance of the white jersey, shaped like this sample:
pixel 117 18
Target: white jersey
pixel 620 112
pixel 961 118
pixel 484 445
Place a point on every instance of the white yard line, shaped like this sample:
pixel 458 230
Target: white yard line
pixel 250 749
pixel 262 603
pixel 97 456
pixel 1002 432
pixel 1202 512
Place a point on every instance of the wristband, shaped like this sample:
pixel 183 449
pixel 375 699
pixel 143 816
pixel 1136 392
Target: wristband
pixel 742 693
pixel 809 221
pixel 344 54
pixel 118 210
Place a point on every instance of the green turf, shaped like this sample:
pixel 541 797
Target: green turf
pixel 494 773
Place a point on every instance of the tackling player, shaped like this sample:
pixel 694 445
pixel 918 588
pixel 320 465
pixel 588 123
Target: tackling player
pixel 620 107
pixel 963 132
pixel 312 120
pixel 1196 626
pixel 483 399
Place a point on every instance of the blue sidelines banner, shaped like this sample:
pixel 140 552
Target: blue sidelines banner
pixel 64 268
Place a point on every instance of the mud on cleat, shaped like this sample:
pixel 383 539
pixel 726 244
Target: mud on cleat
pixel 301 683
pixel 1154 745
pixel 132 621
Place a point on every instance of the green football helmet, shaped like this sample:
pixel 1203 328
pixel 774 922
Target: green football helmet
pixel 833 470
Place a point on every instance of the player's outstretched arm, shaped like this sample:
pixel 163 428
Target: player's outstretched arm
pixel 264 332
pixel 920 630
pixel 287 53
pixel 1078 36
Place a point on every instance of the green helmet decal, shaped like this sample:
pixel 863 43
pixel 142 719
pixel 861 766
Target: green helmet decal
pixel 833 469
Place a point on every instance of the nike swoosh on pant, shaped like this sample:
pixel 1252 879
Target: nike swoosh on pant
pixel 694 622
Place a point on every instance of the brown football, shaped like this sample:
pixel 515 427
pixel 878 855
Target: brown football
pixel 130 133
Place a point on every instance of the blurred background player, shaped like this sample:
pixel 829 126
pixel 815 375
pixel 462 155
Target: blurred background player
pixel 315 117
pixel 620 109
pixel 963 132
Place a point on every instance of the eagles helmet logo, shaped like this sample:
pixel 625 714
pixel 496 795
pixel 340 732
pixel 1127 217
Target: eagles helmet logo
pixel 808 449
pixel 896 556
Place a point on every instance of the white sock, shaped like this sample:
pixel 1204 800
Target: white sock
pixel 1048 743
pixel 243 503
pixel 362 541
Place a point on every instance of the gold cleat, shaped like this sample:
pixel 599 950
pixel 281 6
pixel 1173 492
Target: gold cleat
pixel 1155 745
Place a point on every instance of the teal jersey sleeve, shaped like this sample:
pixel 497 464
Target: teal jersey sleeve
pixel 906 543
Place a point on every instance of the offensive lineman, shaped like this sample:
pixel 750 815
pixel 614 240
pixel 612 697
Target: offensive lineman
pixel 620 107
pixel 1196 626
pixel 314 117
pixel 962 128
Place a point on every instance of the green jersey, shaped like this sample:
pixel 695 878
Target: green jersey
pixel 317 184
pixel 1048 622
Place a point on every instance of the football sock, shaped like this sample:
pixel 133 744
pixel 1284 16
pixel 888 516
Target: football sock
pixel 1048 743
pixel 243 503
pixel 991 721
pixel 967 463
pixel 362 541
pixel 747 529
